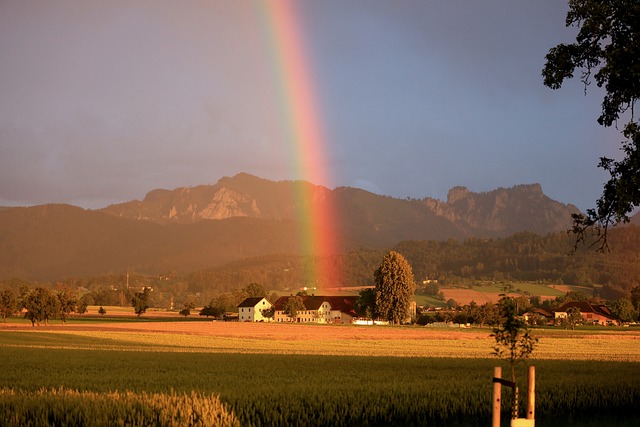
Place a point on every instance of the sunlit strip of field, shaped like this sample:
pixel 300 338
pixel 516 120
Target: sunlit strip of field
pixel 83 340
pixel 552 347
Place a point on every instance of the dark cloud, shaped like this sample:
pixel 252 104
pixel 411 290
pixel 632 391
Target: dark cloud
pixel 102 102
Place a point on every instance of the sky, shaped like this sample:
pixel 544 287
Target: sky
pixel 101 102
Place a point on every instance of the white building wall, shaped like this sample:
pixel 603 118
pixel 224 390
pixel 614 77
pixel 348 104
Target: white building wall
pixel 322 315
pixel 254 314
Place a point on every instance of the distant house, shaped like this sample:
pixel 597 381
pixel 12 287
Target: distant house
pixel 592 313
pixel 250 310
pixel 539 316
pixel 318 309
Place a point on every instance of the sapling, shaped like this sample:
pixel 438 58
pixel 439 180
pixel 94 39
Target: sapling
pixel 514 341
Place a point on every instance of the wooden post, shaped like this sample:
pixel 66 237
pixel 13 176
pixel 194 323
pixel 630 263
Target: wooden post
pixel 531 398
pixel 497 392
pixel 531 394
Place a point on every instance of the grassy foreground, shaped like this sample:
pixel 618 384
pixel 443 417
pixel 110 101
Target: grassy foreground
pixel 291 382
pixel 65 407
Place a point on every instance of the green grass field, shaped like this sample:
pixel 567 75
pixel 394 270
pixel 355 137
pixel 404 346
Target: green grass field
pixel 328 382
pixel 269 389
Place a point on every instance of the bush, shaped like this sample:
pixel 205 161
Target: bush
pixel 425 319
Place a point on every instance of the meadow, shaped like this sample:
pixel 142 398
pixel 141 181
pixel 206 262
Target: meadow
pixel 270 374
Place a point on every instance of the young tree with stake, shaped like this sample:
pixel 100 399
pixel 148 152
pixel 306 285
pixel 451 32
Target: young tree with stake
pixel 514 341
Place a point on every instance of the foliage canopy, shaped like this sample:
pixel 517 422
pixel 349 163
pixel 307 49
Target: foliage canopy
pixel 140 301
pixel 607 51
pixel 293 305
pixel 395 286
pixel 41 304
pixel 514 341
pixel 8 303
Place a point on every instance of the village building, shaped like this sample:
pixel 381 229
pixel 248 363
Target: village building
pixel 592 313
pixel 250 310
pixel 539 316
pixel 318 309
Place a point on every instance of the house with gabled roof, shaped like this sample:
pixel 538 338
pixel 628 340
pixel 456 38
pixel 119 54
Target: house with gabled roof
pixel 250 310
pixel 592 313
pixel 539 316
pixel 318 309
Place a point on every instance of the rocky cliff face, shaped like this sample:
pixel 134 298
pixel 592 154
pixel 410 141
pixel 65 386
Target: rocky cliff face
pixel 187 205
pixel 497 213
pixel 243 195
pixel 503 211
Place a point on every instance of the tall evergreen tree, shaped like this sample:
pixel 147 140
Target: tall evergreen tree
pixel 395 286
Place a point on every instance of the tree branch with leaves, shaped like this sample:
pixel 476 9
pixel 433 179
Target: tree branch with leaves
pixel 293 306
pixel 607 51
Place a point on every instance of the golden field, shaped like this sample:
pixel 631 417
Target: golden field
pixel 607 344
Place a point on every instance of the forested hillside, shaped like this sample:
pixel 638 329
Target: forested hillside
pixel 54 242
pixel 522 257
pixel 244 217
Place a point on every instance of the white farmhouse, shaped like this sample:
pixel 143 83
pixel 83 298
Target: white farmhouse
pixel 250 310
pixel 318 309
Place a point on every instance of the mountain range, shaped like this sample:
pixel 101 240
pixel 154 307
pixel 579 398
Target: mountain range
pixel 245 216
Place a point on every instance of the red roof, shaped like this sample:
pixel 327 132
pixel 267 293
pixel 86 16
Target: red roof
pixel 587 307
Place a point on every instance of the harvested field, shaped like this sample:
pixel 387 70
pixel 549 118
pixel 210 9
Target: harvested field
pixel 274 338
pixel 115 311
pixel 573 288
pixel 275 331
pixel 465 296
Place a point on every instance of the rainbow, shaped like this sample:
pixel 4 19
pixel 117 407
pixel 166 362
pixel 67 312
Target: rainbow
pixel 305 139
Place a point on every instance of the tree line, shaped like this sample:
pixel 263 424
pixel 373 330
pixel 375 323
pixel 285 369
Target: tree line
pixel 41 304
pixel 389 300
pixel 521 257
